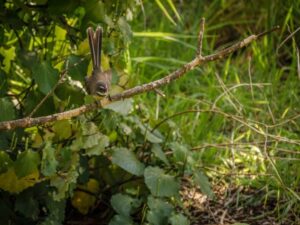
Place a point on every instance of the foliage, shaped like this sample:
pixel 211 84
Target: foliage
pixel 237 119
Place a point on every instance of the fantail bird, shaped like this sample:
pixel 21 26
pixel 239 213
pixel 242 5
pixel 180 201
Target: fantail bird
pixel 99 82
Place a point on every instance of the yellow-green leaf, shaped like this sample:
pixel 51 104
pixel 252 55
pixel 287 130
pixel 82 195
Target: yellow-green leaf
pixel 11 183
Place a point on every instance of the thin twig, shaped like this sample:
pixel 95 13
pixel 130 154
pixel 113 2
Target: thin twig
pixel 200 37
pixel 159 92
pixel 29 122
pixel 63 74
pixel 268 31
pixel 287 38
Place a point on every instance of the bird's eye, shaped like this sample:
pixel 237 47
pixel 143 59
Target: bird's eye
pixel 101 88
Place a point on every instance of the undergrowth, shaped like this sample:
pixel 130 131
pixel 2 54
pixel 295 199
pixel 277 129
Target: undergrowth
pixel 255 141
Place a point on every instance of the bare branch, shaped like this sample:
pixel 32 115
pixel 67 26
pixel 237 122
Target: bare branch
pixel 200 36
pixel 159 92
pixel 29 122
pixel 268 31
pixel 287 38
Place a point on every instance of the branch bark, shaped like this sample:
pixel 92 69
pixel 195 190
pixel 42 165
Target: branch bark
pixel 197 61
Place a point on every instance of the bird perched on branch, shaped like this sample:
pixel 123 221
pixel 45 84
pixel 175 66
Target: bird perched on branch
pixel 99 82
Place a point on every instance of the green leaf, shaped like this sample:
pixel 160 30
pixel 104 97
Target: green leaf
pixel 27 205
pixel 125 29
pixel 179 219
pixel 65 183
pixel 68 94
pixel 57 7
pixel 127 161
pixel 62 129
pixel 89 128
pixel 180 152
pixel 45 76
pixel 159 183
pixel 9 55
pixel 159 212
pixel 3 82
pixel 123 107
pixel 5 162
pixel 103 142
pixel 7 109
pixel 202 181
pixel 6 213
pixel 153 137
pixel 126 130
pixel 124 204
pixel 95 10
pixel 77 67
pixel 158 152
pixel 27 163
pixel 91 140
pixel 65 157
pixel 77 144
pixel 55 212
pixel 49 162
pixel 33 98
pixel 119 219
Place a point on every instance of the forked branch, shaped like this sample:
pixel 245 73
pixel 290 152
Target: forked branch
pixel 198 60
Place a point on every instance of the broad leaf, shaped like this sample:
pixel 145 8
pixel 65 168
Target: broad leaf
pixel 77 67
pixel 55 212
pixel 159 211
pixel 13 184
pixel 7 109
pixel 62 129
pixel 27 205
pixel 65 183
pixel 45 76
pixel 5 162
pixel 124 204
pixel 85 197
pixel 123 107
pixel 179 219
pixel 158 152
pixel 153 137
pixel 180 152
pixel 27 163
pixel 127 161
pixel 49 162
pixel 159 183
pixel 89 128
pixel 102 143
pixel 91 140
pixel 125 30
pixel 3 82
pixel 119 219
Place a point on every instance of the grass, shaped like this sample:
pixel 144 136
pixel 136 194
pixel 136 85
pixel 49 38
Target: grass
pixel 254 136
